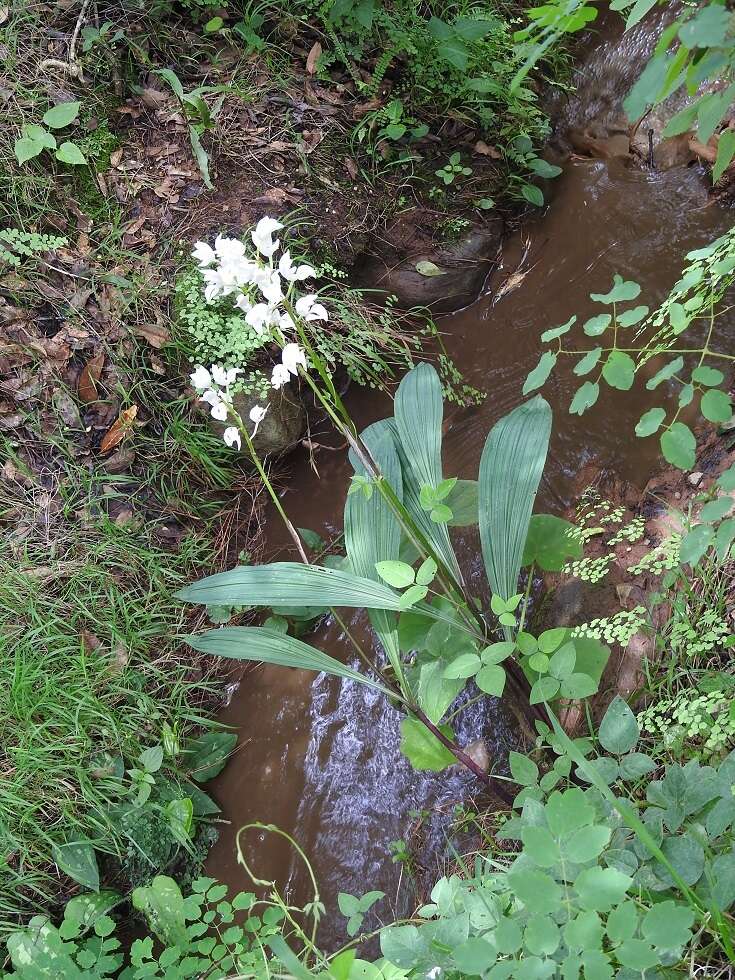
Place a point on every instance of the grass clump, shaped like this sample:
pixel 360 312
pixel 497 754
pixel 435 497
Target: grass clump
pixel 91 679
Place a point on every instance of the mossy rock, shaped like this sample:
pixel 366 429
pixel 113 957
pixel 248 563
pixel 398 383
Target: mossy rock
pixel 283 425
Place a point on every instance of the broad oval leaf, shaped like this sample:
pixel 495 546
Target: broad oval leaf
pixel 422 748
pixel 510 470
pixel 550 542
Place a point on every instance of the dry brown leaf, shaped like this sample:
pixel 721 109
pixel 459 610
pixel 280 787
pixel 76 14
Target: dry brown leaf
pixel 351 167
pixel 91 373
pixel 119 429
pixel 274 195
pixel 90 642
pixel 155 333
pixel 314 56
pixel 482 148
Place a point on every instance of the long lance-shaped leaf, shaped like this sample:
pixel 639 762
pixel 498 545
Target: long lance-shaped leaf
pixel 268 646
pixel 510 470
pixel 287 583
pixel 417 428
pixel 373 534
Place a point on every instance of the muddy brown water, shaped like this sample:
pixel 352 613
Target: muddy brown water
pixel 319 757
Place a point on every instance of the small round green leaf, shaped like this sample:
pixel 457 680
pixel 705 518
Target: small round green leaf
pixel 544 689
pixel 650 422
pixel 679 446
pixel 465 665
pixel 716 406
pixel 584 398
pixel 395 573
pixel 540 373
pixel 619 370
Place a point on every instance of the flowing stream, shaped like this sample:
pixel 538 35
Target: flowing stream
pixel 319 758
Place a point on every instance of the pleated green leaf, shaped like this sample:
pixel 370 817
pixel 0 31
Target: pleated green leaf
pixel 270 647
pixel 287 583
pixel 373 534
pixel 510 470
pixel 417 426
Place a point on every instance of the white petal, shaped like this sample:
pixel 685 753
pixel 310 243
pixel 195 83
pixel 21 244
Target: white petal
pixel 232 437
pixel 286 267
pixel 257 414
pixel 232 373
pixel 292 355
pixel 219 411
pixel 305 272
pixel 285 321
pixel 242 302
pixel 280 376
pixel 201 378
pixel 212 397
pixel 219 375
pixel 317 312
pixel 229 249
pixel 305 303
pixel 204 254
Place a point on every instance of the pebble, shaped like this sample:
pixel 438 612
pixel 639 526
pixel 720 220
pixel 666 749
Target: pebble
pixel 695 478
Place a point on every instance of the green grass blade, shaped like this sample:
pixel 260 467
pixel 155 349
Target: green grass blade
pixel 373 534
pixel 418 429
pixel 286 583
pixel 510 470
pixel 270 647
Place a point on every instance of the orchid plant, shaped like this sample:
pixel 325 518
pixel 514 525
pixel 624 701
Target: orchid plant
pixel 266 292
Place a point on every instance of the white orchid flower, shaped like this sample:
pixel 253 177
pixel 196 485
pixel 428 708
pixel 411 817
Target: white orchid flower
pixel 285 322
pixel 242 302
pixel 213 284
pixel 204 254
pixel 256 415
pixel 269 283
pixel 219 375
pixel 261 316
pixel 220 411
pixel 280 376
pixel 224 378
pixel 308 308
pixel 201 378
pixel 212 397
pixel 294 273
pixel 232 437
pixel 229 249
pixel 263 236
pixel 291 356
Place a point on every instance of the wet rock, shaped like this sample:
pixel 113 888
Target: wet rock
pixel 283 424
pixel 477 751
pixel 282 427
pixel 463 265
